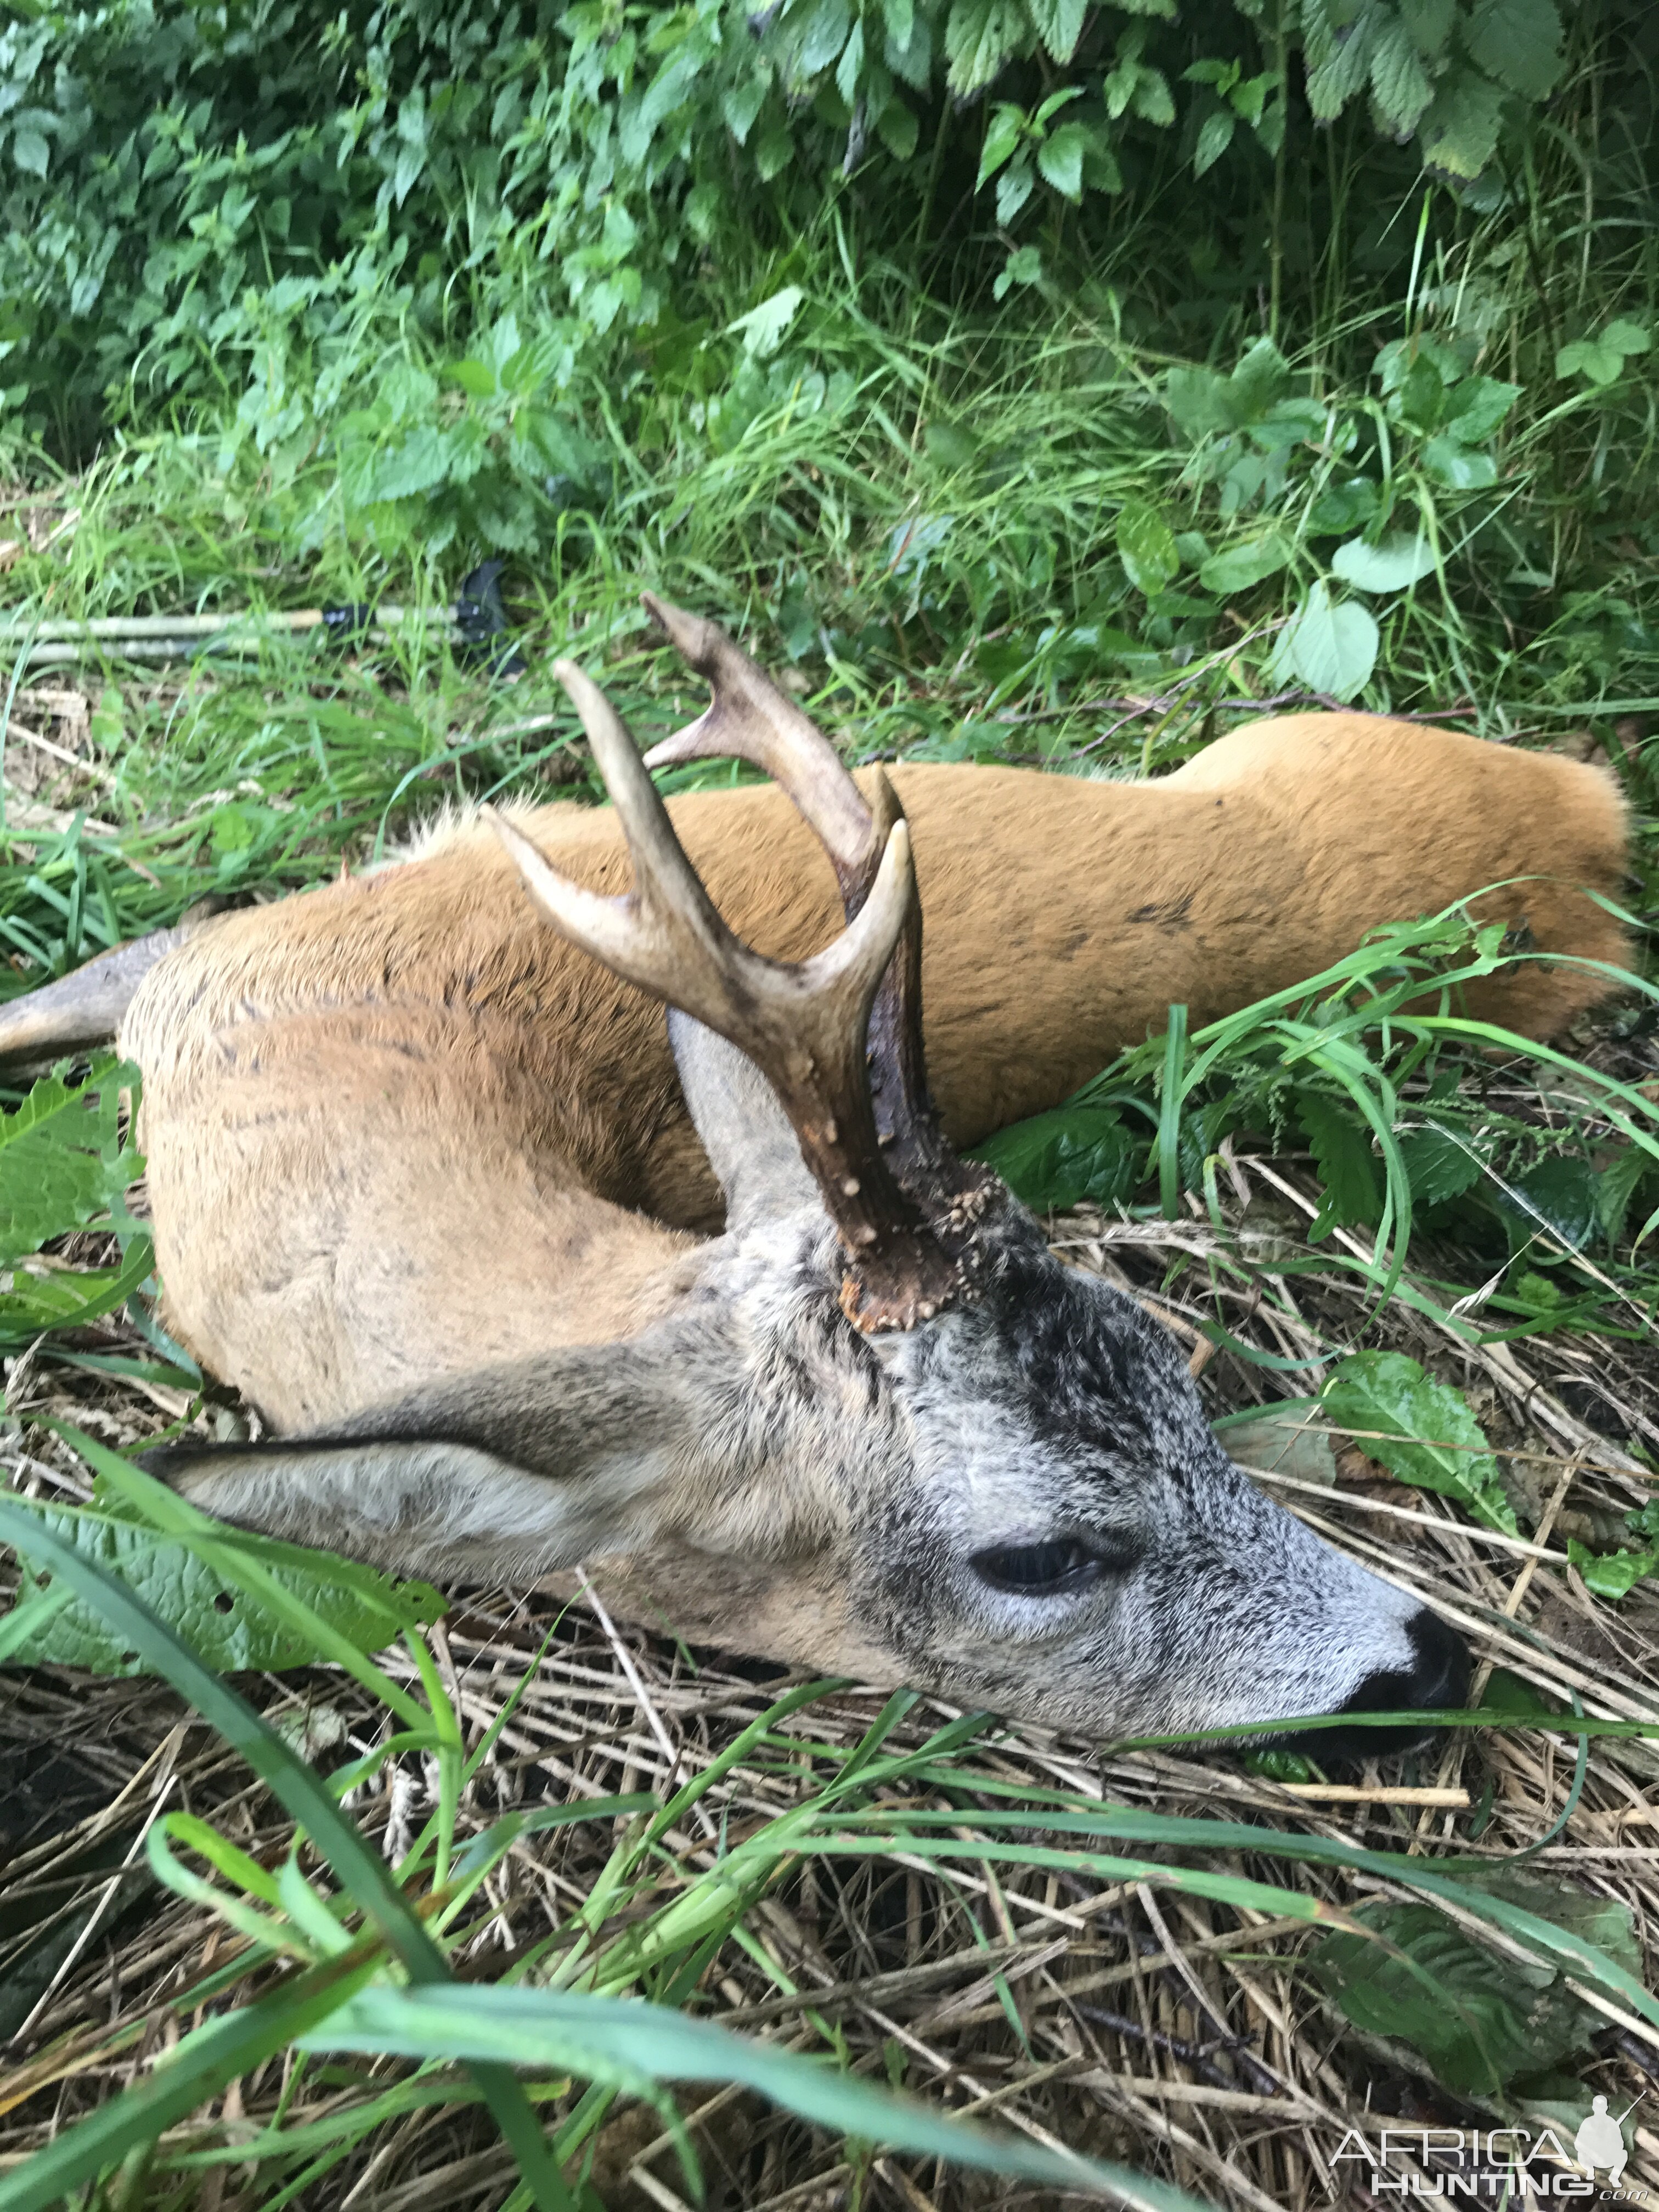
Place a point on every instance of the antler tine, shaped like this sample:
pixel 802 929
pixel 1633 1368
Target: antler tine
pixel 749 719
pixel 804 1026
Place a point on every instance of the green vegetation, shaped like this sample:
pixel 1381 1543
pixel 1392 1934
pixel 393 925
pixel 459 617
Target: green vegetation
pixel 1029 383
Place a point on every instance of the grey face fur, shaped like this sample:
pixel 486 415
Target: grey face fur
pixel 1018 1503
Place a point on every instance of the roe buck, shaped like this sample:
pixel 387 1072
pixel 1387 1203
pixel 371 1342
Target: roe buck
pixel 874 1426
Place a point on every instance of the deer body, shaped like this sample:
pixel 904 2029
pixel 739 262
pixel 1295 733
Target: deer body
pixel 358 1078
pixel 425 1175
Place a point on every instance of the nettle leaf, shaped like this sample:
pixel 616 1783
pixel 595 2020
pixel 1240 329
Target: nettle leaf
pixel 1002 137
pixel 1077 1155
pixel 62 1163
pixel 1341 1147
pixel 1398 562
pixel 1059 25
pixel 1014 187
pixel 1437 1167
pixel 1559 1197
pixel 228 1627
pixel 1146 547
pixel 1237 567
pixel 1420 1430
pixel 1215 135
pixel 416 464
pixel 1480 2019
pixel 1519 43
pixel 1331 646
pixel 1061 159
pixel 1023 266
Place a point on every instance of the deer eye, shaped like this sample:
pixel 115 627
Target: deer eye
pixel 1038 1570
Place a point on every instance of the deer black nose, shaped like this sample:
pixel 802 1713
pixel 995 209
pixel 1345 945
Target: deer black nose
pixel 1436 1680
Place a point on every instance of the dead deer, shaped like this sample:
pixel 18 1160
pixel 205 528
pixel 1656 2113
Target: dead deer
pixel 874 1426
pixel 1064 918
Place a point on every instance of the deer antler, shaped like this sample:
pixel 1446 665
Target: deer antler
pixel 803 1025
pixel 749 718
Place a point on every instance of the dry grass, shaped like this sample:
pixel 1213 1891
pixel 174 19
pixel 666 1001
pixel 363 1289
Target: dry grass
pixel 1176 2035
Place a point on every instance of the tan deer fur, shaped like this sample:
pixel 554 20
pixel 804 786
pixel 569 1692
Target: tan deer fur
pixel 350 1094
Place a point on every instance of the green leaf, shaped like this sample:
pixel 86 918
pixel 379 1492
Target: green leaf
pixel 1261 379
pixel 476 377
pixel 1078 1154
pixel 61 1162
pixel 980 36
pixel 1399 83
pixel 30 151
pixel 1146 547
pixel 1610 1574
pixel 1437 1167
pixel 1024 266
pixel 1014 187
pixel 1340 58
pixel 230 1628
pixel 1348 1174
pixel 1060 158
pixel 1429 24
pixel 763 328
pixel 1626 338
pixel 1559 1197
pixel 1459 133
pixel 1002 137
pixel 1059 25
pixel 1592 358
pixel 1237 567
pixel 41 1297
pixel 1396 563
pixel 1282 1441
pixel 1479 2019
pixel 1196 400
pixel 1454 465
pixel 414 465
pixel 1333 649
pixel 1215 135
pixel 1519 43
pixel 898 129
pixel 1420 1430
pixel 1475 406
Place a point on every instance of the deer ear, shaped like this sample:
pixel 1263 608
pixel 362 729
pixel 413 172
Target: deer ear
pixel 511 1471
pixel 754 1152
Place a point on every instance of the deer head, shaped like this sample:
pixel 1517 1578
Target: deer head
pixel 882 1428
